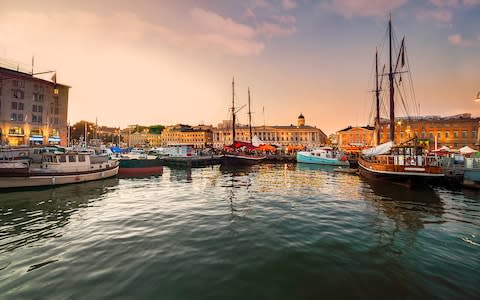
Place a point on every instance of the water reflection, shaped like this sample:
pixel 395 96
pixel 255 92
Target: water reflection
pixel 180 174
pixel 408 210
pixel 237 181
pixel 29 216
pixel 315 167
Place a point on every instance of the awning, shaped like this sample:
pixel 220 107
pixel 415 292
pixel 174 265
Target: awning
pixel 54 139
pixel 36 138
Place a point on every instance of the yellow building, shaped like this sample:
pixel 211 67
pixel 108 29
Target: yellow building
pixel 451 131
pixel 141 138
pixel 32 110
pixel 198 137
pixel 356 136
pixel 299 134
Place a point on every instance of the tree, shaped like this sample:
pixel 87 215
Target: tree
pixel 156 129
pixel 77 130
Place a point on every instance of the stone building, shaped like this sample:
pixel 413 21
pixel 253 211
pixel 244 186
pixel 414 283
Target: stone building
pixel 356 136
pixel 198 136
pixel 32 110
pixel 299 134
pixel 451 131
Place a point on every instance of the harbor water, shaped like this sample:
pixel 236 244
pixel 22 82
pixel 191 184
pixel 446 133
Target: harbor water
pixel 284 231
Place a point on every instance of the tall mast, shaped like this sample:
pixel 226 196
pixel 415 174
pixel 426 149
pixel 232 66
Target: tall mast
pixel 233 112
pixel 249 116
pixel 377 95
pixel 390 78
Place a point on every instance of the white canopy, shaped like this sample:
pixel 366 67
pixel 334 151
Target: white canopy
pixel 378 150
pixel 256 141
pixel 442 149
pixel 467 150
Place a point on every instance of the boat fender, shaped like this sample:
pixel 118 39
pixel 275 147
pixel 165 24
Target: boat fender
pixel 344 158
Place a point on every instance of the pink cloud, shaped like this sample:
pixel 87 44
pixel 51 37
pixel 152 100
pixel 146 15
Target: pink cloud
pixel 214 23
pixel 284 19
pixel 362 8
pixel 275 30
pixel 289 4
pixel 216 31
pixel 458 40
pixel 437 15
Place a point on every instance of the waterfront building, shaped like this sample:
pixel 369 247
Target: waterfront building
pixel 356 136
pixel 451 131
pixel 32 110
pixel 198 136
pixel 297 135
pixel 133 136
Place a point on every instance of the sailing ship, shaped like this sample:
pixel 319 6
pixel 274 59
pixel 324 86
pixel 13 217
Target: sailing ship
pixel 404 163
pixel 241 153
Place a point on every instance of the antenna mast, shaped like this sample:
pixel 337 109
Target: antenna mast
pixel 249 116
pixel 233 112
pixel 390 78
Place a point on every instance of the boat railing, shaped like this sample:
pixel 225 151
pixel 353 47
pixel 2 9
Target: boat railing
pixel 406 160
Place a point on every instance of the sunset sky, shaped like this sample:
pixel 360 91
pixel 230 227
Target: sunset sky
pixel 167 62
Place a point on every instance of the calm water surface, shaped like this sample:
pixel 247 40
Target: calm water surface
pixel 265 232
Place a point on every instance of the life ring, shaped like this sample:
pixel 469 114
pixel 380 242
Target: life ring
pixel 344 158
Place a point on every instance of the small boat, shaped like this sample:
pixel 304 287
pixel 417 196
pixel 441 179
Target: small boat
pixel 323 156
pixel 56 169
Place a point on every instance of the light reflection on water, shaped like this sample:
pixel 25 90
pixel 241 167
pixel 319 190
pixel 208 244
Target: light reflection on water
pixel 270 231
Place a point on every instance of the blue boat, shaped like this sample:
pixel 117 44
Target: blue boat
pixel 323 156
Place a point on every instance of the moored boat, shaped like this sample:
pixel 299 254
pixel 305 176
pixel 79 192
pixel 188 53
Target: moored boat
pixel 241 153
pixel 323 156
pixel 405 164
pixel 57 169
pixel 140 167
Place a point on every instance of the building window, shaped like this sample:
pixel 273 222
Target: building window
pixel 34 108
pixel 14 105
pixel 13 117
pixel 455 134
pixel 15 131
pixel 464 134
pixel 21 105
pixel 446 134
pixel 474 134
pixel 19 117
pixel 439 134
pixel 18 94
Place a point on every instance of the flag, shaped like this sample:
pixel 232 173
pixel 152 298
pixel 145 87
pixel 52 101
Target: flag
pixel 54 78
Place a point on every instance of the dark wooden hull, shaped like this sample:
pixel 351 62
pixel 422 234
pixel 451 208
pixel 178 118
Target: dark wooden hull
pixel 241 160
pixel 402 175
pixel 140 167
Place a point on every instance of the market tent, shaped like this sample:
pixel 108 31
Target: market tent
pixel 467 150
pixel 266 148
pixel 442 149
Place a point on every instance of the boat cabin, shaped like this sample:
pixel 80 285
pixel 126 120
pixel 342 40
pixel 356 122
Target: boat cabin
pixel 71 162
